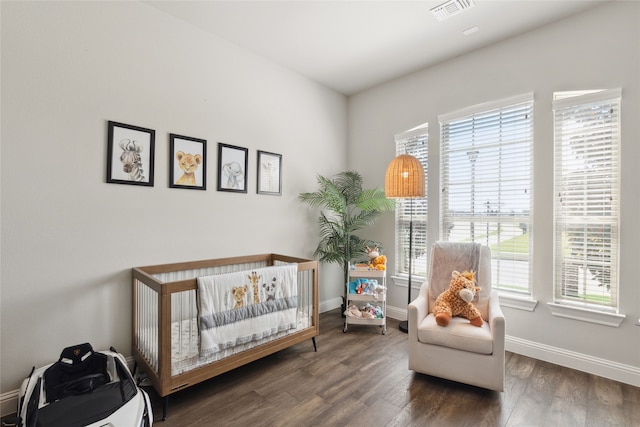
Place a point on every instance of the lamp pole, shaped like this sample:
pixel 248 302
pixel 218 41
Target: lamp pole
pixel 404 325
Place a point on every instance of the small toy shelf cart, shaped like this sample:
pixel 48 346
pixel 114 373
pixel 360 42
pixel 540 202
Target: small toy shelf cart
pixel 376 298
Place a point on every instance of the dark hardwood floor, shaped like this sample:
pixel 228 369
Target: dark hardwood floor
pixel 360 378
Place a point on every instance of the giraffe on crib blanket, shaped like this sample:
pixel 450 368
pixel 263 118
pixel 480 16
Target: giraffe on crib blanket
pixel 254 279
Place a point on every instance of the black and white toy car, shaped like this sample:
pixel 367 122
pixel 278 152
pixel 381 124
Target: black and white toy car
pixel 83 388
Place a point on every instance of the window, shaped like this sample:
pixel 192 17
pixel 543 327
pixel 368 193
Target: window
pixel 486 181
pixel 586 198
pixel 414 143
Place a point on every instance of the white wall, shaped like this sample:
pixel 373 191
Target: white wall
pixel 597 49
pixel 69 239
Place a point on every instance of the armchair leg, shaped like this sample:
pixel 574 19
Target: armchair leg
pixel 404 326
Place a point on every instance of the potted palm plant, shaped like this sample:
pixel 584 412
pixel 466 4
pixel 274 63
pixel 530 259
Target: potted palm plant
pixel 346 208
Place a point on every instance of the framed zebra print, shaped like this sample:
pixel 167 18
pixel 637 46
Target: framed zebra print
pixel 130 154
pixel 269 173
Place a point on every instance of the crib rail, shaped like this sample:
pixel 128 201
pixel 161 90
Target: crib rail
pixel 165 335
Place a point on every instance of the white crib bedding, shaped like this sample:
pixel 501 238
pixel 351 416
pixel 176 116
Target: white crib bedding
pixel 228 322
pixel 185 351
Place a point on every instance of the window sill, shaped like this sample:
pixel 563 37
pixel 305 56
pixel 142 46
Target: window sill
pixel 586 315
pixel 402 281
pixel 518 302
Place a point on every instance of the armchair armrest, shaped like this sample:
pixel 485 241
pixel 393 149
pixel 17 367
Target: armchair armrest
pixel 418 309
pixel 496 322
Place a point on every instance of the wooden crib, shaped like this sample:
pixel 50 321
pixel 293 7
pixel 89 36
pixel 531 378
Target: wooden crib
pixel 165 320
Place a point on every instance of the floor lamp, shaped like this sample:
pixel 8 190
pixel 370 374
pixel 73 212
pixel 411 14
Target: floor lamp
pixel 404 179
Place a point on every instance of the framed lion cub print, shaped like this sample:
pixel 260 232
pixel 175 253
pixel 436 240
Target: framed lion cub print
pixel 187 162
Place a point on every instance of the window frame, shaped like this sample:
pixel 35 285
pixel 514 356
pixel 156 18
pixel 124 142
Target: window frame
pixel 520 297
pixel 584 104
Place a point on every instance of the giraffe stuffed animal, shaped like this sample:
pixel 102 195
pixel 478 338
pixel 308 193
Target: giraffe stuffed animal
pixel 456 300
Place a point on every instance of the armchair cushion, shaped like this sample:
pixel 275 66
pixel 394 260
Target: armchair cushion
pixel 459 334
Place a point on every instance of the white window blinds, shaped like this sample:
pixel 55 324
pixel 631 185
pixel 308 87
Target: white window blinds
pixel 486 179
pixel 587 197
pixel 415 143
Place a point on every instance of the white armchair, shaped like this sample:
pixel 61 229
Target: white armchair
pixel 460 351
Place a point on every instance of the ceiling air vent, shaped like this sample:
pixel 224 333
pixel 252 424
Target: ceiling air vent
pixel 450 8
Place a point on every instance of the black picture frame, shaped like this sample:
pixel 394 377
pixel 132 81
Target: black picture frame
pixel 187 162
pixel 269 173
pixel 232 168
pixel 130 154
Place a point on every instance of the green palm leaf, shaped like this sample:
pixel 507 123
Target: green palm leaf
pixel 374 200
pixel 346 208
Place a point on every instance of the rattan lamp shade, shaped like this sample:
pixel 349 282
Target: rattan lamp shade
pixel 404 178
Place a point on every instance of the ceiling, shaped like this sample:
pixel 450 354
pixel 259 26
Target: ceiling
pixel 352 45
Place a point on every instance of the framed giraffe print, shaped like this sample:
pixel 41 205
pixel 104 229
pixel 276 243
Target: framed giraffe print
pixel 269 173
pixel 130 154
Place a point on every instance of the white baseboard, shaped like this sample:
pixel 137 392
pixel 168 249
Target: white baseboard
pixel 330 304
pixel 626 374
pixel 8 403
pixel 396 313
